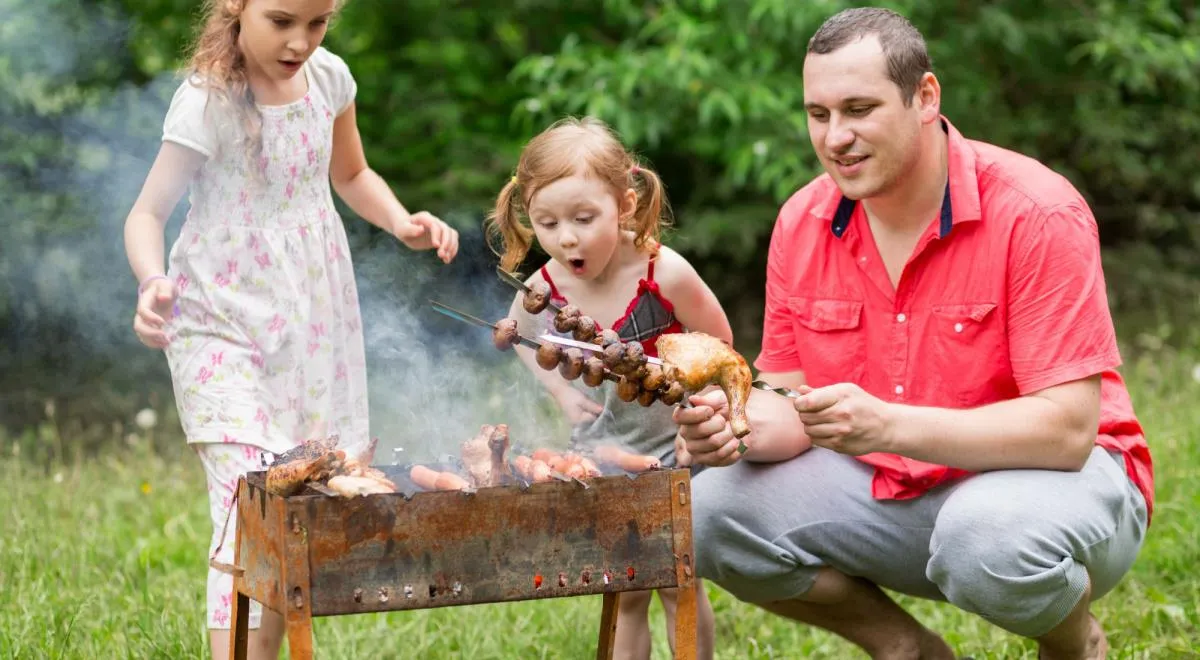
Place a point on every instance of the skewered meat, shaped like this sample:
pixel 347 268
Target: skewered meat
pixel 549 355
pixel 505 335
pixel 566 318
pixel 646 398
pixel 585 328
pixel 673 395
pixel 614 356
pixel 536 298
pixel 450 481
pixel 634 357
pixel 571 365
pixel 607 337
pixel 484 457
pixel 654 378
pixel 593 371
pixel 697 360
pixel 628 390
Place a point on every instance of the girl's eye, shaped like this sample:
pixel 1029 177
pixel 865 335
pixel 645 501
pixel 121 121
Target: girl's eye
pixel 584 219
pixel 281 22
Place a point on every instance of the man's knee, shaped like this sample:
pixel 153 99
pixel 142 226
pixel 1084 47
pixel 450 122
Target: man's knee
pixel 1012 566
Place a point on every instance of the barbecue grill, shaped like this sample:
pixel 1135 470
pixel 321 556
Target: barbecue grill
pixel 315 554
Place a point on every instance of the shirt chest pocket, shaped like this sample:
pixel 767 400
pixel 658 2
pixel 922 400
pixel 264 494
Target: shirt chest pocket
pixel 967 350
pixel 829 339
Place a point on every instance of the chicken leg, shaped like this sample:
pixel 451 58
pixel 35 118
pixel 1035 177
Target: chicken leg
pixel 696 360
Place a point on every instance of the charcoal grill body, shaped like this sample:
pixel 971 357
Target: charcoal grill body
pixel 313 555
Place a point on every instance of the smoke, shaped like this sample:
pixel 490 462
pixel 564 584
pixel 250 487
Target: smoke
pixel 75 147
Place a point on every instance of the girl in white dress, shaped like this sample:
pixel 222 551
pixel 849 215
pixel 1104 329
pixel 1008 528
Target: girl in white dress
pixel 257 309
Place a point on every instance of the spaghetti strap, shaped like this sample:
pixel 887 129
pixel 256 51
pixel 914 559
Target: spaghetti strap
pixel 554 295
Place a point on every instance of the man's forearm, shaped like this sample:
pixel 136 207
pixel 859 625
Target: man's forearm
pixel 1027 432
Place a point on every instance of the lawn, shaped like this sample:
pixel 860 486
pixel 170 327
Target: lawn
pixel 104 557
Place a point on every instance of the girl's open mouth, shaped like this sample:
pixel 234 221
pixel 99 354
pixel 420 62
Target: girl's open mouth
pixel 576 265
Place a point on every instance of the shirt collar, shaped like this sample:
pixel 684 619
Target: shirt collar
pixel 959 204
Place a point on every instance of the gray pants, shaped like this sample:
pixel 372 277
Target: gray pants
pixel 1015 547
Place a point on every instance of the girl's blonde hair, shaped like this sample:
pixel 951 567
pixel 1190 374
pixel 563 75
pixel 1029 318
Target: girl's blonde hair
pixel 570 146
pixel 215 58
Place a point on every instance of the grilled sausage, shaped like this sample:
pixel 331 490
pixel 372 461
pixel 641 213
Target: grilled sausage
pixel 451 481
pixel 423 477
pixel 536 298
pixel 627 461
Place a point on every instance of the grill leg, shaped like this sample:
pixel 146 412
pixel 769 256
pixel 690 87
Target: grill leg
pixel 239 635
pixel 300 636
pixel 685 621
pixel 608 626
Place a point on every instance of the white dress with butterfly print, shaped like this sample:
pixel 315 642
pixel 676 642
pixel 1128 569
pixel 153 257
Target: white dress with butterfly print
pixel 266 344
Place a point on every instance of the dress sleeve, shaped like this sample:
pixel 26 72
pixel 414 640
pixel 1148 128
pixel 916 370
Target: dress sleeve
pixel 1060 327
pixel 190 119
pixel 333 75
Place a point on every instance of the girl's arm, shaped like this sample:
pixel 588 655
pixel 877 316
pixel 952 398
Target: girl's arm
pixel 696 306
pixel 370 197
pixel 146 223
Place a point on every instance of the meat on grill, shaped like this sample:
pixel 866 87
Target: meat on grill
pixel 697 360
pixel 484 457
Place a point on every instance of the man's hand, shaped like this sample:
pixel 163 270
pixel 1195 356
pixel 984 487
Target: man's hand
pixel 704 430
pixel 423 231
pixel 846 419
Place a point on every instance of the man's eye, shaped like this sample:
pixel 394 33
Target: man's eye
pixel 859 110
pixel 819 116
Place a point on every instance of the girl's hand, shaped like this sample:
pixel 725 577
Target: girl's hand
pixel 154 307
pixel 423 231
pixel 578 408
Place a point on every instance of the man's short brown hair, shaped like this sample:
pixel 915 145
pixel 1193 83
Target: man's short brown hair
pixel 903 46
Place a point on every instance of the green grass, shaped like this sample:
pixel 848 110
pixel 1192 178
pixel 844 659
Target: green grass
pixel 105 558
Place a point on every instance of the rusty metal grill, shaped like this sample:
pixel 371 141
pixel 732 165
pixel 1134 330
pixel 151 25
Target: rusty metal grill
pixel 311 554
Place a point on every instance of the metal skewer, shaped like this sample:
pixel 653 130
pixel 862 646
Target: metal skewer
pixel 516 283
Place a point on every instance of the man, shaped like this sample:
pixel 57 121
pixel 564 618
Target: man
pixel 959 431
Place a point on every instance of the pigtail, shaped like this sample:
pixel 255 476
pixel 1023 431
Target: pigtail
pixel 504 224
pixel 652 211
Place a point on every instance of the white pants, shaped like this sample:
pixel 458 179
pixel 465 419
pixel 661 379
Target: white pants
pixel 223 464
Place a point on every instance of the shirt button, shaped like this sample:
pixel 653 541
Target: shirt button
pixel 958 327
pixel 899 389
pixel 900 318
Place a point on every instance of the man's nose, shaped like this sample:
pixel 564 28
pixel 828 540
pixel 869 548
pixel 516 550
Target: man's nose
pixel 839 136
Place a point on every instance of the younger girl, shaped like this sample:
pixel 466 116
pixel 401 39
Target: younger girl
pixel 589 205
pixel 257 308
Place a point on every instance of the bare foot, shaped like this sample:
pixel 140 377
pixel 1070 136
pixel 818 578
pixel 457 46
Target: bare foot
pixel 1097 644
pixel 934 647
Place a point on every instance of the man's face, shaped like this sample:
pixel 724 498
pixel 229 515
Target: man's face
pixel 863 133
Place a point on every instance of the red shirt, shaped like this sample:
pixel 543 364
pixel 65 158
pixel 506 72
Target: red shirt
pixel 1004 295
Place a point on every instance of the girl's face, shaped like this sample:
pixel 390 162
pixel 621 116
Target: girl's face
pixel 277 36
pixel 577 221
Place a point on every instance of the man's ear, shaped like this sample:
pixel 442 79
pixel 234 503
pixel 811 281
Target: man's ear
pixel 928 98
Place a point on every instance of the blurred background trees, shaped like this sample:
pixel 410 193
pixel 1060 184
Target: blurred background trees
pixel 708 91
